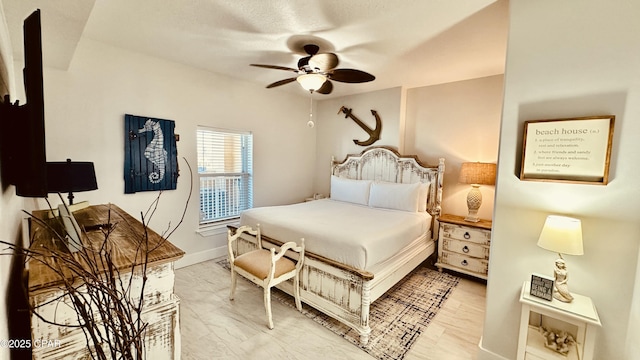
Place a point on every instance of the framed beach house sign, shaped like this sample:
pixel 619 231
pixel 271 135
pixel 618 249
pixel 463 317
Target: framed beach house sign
pixel 150 162
pixel 574 150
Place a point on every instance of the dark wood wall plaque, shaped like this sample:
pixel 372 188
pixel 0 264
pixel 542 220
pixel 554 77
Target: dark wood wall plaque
pixel 150 162
pixel 574 150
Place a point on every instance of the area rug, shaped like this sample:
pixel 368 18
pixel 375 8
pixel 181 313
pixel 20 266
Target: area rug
pixel 397 318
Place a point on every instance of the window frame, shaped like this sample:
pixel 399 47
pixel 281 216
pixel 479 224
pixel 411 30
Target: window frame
pixel 245 179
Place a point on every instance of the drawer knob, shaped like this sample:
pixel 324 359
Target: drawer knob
pixel 465 249
pixel 464 263
pixel 467 235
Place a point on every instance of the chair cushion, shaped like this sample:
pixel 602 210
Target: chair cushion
pixel 258 262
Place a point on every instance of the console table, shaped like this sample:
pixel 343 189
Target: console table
pixel 160 305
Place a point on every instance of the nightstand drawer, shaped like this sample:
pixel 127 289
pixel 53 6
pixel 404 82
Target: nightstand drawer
pixel 464 262
pixel 465 233
pixel 463 246
pixel 466 248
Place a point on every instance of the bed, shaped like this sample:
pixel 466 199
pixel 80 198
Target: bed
pixel 376 227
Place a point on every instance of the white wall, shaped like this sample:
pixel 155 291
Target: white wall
pixel 336 133
pixel 632 344
pixel 426 121
pixel 85 108
pixel 568 59
pixel 459 121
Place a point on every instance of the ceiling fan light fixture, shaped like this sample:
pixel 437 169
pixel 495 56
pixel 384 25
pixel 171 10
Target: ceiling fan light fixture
pixel 311 82
pixel 317 71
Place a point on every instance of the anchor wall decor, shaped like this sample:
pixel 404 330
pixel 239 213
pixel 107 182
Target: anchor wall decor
pixel 374 134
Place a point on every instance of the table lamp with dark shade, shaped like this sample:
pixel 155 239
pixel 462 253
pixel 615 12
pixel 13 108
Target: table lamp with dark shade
pixel 70 176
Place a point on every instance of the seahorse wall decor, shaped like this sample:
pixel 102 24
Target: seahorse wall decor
pixel 155 151
pixel 150 154
pixel 374 134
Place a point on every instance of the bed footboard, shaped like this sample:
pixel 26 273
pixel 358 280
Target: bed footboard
pixel 339 291
pixel 333 290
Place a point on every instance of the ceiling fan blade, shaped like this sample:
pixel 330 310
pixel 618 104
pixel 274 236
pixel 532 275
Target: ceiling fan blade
pixel 275 67
pixel 281 82
pixel 324 62
pixel 351 76
pixel 326 88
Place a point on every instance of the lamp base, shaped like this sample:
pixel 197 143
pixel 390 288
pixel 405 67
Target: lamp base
pixel 72 229
pixel 560 286
pixel 472 217
pixel 474 200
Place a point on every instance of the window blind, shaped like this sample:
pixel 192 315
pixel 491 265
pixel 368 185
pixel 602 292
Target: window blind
pixel 225 170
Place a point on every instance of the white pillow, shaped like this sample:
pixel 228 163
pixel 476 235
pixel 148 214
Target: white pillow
pixel 349 190
pixel 395 196
pixel 423 196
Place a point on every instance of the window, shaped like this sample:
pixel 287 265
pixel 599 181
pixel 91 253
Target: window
pixel 225 169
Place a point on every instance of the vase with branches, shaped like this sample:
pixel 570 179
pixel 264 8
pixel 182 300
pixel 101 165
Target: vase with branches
pixel 100 287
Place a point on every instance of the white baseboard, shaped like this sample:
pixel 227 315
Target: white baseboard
pixel 194 258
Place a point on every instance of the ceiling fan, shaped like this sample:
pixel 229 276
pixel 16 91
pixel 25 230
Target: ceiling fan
pixel 315 72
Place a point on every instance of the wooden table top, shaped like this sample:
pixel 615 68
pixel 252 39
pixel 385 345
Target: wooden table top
pixel 455 219
pixel 127 240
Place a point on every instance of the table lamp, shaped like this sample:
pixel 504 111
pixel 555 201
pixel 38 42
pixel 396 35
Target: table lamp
pixel 70 176
pixel 563 235
pixel 476 174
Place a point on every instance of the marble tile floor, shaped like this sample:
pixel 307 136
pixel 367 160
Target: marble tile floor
pixel 213 327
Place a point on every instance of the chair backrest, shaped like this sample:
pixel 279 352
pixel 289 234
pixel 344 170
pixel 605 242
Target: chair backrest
pixel 283 250
pixel 290 246
pixel 299 249
pixel 231 237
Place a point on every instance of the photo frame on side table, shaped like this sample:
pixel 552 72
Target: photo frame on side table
pixel 576 150
pixel 542 286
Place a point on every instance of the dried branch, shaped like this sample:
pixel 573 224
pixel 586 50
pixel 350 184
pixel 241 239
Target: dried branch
pixel 108 308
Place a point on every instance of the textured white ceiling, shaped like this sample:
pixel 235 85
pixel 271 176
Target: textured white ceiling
pixel 402 42
pixel 62 24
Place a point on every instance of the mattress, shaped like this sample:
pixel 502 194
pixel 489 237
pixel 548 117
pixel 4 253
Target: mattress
pixel 356 235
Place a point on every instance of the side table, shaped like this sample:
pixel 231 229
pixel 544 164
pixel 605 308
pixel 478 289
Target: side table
pixel 578 318
pixel 463 246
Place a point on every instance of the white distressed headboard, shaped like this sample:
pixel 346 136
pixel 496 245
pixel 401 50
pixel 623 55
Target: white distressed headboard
pixel 382 163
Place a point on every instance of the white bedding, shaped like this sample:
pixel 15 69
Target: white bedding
pixel 355 235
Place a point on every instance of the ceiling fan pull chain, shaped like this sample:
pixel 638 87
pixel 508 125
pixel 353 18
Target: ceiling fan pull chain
pixel 311 124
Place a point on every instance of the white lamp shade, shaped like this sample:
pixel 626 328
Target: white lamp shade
pixel 311 82
pixel 562 234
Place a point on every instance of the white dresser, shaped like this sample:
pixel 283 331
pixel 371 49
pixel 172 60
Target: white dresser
pixel 463 246
pixel 161 305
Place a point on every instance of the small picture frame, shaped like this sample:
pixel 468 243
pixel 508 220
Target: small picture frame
pixel 542 286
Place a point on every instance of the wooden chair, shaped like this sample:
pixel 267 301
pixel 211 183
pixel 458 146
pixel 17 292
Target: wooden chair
pixel 265 268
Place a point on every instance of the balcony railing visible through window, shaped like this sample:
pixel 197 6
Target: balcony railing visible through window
pixel 222 197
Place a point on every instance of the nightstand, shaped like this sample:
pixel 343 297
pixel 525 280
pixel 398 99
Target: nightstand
pixel 463 246
pixel 578 318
